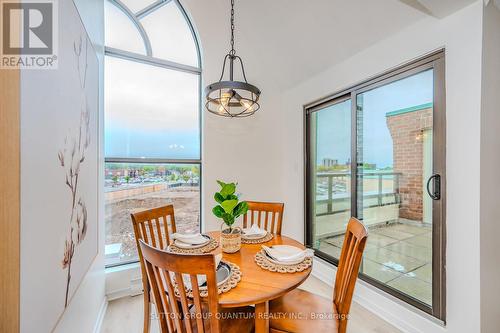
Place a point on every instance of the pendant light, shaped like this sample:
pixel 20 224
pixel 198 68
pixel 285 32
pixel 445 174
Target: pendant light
pixel 232 98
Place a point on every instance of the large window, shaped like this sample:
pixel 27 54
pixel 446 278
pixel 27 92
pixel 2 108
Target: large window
pixel 152 118
pixel 376 151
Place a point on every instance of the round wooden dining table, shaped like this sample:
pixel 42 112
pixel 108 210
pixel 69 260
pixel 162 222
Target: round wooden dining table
pixel 258 286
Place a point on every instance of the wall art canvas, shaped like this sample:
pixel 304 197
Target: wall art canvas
pixel 59 172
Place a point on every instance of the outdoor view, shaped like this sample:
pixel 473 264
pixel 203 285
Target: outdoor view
pixel 138 186
pixel 152 114
pixel 394 161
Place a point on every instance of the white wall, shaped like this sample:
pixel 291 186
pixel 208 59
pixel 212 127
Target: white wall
pixel 264 153
pixel 460 34
pixel 241 150
pixel 89 301
pixel 490 177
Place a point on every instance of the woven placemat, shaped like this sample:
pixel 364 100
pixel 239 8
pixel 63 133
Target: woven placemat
pixel 233 280
pixel 204 249
pixel 262 261
pixel 264 239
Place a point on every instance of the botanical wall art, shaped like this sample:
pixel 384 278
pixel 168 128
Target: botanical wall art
pixel 59 172
pixel 71 158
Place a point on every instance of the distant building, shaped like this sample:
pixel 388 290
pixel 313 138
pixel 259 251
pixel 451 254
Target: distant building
pixel 330 162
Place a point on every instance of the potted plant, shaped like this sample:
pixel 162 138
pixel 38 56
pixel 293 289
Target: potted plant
pixel 229 208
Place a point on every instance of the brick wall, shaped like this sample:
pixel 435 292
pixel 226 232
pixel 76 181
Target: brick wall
pixel 407 137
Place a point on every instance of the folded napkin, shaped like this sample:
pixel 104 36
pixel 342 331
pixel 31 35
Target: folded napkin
pixel 218 258
pixel 190 239
pixel 254 231
pixel 287 253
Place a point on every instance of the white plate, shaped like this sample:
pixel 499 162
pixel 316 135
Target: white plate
pixel 183 245
pixel 222 274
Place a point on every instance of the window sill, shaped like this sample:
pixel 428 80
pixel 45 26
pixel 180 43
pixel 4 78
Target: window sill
pixel 123 267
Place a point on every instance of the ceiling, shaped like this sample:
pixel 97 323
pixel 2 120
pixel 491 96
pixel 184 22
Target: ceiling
pixel 289 41
pixel 296 40
pixel 438 8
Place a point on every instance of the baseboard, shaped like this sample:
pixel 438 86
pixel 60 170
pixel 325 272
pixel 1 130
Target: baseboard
pixel 399 314
pixel 100 316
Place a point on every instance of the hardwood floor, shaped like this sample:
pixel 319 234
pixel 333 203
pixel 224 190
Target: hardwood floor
pixel 125 314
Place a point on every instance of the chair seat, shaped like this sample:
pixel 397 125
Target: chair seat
pixel 232 320
pixel 302 311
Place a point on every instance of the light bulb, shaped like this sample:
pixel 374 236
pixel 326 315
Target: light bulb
pixel 247 105
pixel 226 96
pixel 224 101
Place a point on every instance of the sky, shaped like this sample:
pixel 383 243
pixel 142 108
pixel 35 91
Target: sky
pixel 150 111
pixel 333 129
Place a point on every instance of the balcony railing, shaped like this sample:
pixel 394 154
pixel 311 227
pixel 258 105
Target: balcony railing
pixel 333 190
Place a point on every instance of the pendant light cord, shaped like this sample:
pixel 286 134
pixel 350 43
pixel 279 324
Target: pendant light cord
pixel 233 51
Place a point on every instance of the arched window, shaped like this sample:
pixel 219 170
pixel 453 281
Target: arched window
pixel 152 112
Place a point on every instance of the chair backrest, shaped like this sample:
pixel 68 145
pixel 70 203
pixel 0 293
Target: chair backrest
pixel 165 271
pixel 347 272
pixel 151 226
pixel 267 215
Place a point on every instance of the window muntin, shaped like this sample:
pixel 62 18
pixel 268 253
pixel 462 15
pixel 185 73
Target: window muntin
pixel 136 6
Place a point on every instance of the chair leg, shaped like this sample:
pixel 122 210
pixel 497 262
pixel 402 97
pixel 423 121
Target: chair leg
pixel 147 312
pixel 342 326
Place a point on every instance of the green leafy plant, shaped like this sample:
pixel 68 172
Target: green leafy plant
pixel 229 207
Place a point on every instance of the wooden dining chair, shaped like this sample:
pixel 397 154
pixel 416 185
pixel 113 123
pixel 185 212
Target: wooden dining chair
pixel 167 273
pixel 151 226
pixel 267 215
pixel 303 302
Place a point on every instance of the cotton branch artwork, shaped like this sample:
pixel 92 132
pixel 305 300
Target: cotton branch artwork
pixel 71 158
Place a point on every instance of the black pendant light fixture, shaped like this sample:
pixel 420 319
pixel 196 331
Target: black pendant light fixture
pixel 232 98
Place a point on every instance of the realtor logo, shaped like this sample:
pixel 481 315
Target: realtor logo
pixel 29 38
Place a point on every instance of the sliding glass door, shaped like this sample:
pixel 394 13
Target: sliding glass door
pixel 376 152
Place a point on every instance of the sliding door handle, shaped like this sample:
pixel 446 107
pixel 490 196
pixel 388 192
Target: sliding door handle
pixel 436 186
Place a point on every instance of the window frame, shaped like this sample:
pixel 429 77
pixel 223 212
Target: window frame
pixel 148 59
pixel 435 61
